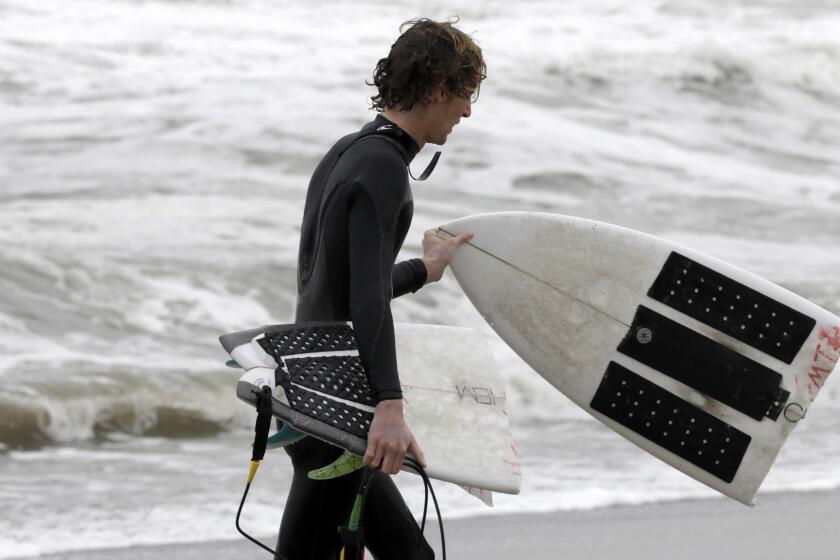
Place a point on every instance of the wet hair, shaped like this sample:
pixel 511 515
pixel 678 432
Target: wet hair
pixel 427 54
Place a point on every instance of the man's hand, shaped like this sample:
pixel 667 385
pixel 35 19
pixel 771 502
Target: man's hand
pixel 438 250
pixel 389 438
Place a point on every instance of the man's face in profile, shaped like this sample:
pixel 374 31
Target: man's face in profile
pixel 444 112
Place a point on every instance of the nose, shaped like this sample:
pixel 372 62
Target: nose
pixel 468 110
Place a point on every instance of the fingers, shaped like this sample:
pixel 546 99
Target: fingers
pixel 388 439
pixel 435 232
pixel 386 460
pixel 415 450
pixel 393 461
pixel 441 233
pixel 381 457
pixel 463 237
pixel 373 455
pixel 446 236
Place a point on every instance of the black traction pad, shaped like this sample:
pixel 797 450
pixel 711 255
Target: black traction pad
pixel 671 422
pixel 286 340
pixel 307 424
pixel 340 415
pixel 339 376
pixel 704 364
pixel 732 308
pixel 313 384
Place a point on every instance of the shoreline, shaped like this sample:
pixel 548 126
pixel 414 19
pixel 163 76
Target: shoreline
pixel 784 525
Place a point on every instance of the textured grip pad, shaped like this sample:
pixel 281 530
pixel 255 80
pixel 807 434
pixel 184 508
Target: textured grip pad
pixel 732 308
pixel 340 376
pixel 287 340
pixel 704 364
pixel 344 417
pixel 670 422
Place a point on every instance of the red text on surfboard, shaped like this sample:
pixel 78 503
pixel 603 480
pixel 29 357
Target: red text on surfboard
pixel 824 359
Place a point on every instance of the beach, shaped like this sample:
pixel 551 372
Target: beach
pixel 782 526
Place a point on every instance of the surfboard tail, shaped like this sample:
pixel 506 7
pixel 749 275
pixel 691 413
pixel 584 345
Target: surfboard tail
pixel 453 396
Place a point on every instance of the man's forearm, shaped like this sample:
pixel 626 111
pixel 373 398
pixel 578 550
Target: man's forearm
pixel 408 276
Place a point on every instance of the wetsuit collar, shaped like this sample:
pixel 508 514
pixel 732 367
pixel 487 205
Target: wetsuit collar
pixel 404 138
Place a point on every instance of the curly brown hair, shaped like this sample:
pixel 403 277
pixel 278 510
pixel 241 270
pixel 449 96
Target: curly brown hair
pixel 426 55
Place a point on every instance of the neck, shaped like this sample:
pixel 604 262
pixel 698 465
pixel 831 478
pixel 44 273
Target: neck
pixel 410 122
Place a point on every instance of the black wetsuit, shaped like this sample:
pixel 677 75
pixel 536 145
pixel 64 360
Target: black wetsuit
pixel 358 211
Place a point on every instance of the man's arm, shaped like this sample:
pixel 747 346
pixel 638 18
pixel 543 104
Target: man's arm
pixel 438 250
pixel 370 238
pixel 372 218
pixel 408 276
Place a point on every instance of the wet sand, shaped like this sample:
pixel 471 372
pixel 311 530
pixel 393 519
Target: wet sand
pixel 781 526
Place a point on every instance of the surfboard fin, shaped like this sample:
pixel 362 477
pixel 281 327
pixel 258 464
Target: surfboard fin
pixel 345 464
pixel 485 496
pixel 285 436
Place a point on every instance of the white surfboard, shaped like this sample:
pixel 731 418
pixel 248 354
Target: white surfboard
pixel 453 400
pixel 696 361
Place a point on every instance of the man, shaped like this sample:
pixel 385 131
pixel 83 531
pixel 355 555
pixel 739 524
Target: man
pixel 358 211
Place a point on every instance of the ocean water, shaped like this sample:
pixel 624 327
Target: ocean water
pixel 153 161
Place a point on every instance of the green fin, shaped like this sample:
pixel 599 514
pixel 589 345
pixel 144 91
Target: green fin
pixel 345 464
pixel 232 363
pixel 286 436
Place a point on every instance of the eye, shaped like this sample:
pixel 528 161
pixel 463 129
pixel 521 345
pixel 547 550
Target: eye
pixel 469 94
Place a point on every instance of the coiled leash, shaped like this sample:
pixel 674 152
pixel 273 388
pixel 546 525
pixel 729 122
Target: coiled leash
pixel 293 340
pixel 351 534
